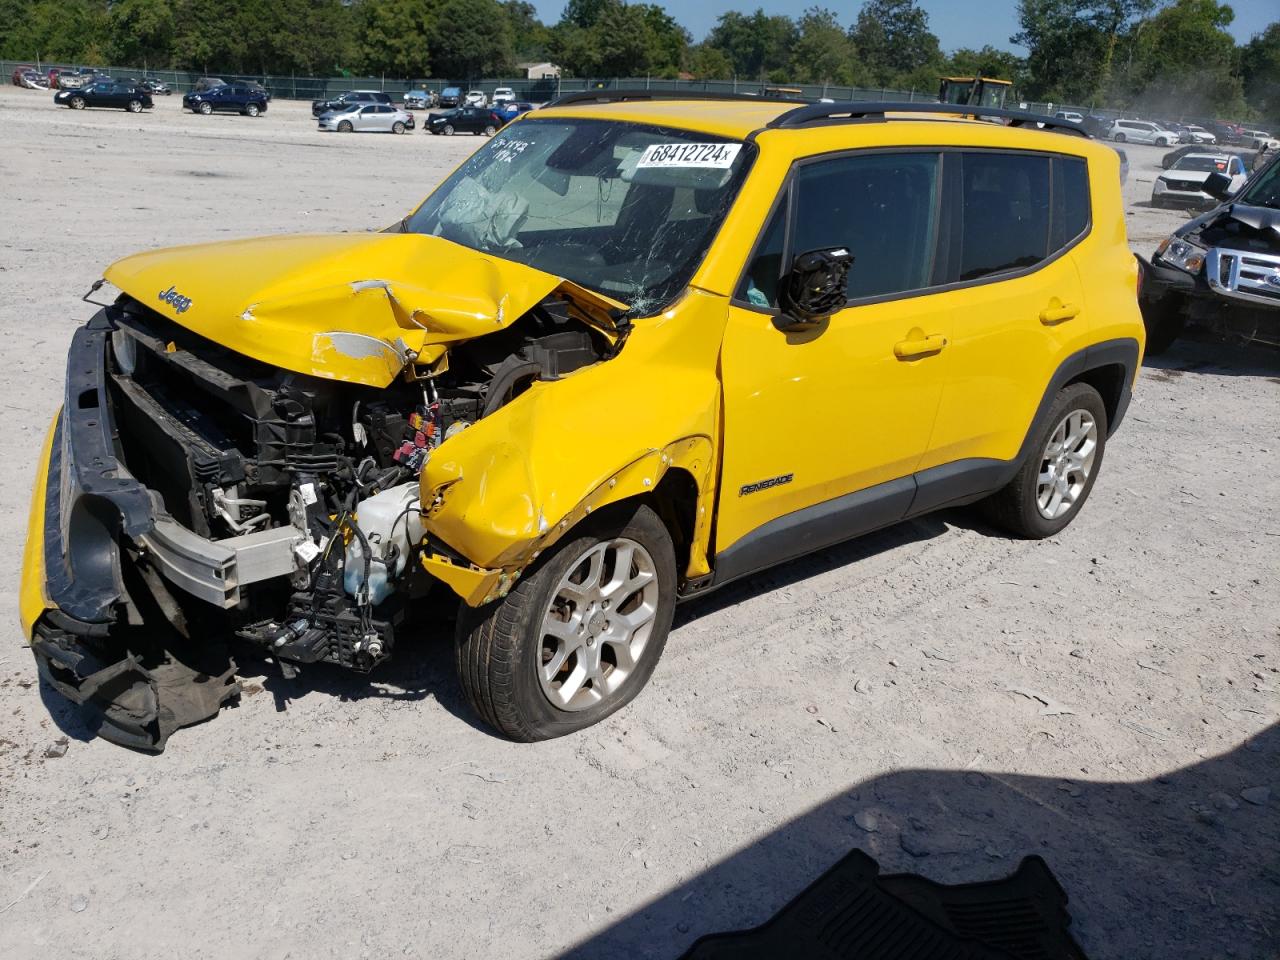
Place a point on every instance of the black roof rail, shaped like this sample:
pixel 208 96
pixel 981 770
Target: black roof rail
pixel 619 96
pixel 819 113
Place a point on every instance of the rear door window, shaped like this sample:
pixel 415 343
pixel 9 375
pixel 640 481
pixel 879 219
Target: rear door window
pixel 1017 210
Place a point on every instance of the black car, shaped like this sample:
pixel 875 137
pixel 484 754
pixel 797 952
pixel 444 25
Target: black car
pixel 1220 270
pixel 484 120
pixel 105 92
pixel 320 107
pixel 228 98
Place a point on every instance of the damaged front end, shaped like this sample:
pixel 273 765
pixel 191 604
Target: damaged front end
pixel 229 463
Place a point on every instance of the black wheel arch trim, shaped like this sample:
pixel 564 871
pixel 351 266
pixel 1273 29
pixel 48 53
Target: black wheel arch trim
pixel 950 484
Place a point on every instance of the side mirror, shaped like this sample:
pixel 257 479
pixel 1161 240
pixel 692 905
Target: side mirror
pixel 1218 185
pixel 816 286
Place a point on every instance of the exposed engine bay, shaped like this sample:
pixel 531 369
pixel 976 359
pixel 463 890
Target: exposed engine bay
pixel 314 482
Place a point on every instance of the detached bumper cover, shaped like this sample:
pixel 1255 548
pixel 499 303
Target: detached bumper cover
pixel 145 678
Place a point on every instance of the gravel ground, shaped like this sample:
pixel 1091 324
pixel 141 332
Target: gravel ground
pixel 942 697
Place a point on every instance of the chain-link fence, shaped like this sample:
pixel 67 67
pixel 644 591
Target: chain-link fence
pixel 537 91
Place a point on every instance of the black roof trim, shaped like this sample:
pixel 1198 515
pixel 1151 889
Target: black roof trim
pixel 818 113
pixel 620 96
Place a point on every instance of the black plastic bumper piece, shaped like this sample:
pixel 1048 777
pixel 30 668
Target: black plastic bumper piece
pixel 851 911
pixel 134 699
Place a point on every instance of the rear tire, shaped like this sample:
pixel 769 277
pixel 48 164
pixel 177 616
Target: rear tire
pixel 397 127
pixel 135 106
pixel 1055 480
pixel 543 661
pixel 490 130
pixel 1165 322
pixel 252 110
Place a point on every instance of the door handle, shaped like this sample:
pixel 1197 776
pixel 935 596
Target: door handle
pixel 1058 312
pixel 919 346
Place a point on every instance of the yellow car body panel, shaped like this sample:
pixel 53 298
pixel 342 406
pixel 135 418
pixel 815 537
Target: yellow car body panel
pixel 348 307
pixel 509 486
pixel 33 596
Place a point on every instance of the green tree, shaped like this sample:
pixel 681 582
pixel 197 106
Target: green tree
pixel 987 62
pixel 894 44
pixel 755 44
pixel 141 32
pixel 393 36
pixel 1260 73
pixel 708 63
pixel 471 39
pixel 529 35
pixel 1184 62
pixel 822 51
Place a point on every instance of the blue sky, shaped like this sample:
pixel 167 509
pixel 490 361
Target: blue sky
pixel 958 23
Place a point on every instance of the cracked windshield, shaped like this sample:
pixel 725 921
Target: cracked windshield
pixel 623 209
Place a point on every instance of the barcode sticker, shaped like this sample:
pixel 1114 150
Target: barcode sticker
pixel 715 156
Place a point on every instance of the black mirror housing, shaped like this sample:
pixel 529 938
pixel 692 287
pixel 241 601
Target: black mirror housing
pixel 816 286
pixel 1218 186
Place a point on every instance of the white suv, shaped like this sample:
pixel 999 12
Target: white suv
pixel 503 95
pixel 1141 131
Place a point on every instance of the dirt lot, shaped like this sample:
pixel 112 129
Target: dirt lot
pixel 942 697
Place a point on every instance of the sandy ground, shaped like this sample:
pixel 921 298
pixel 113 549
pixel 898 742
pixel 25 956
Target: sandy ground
pixel 942 697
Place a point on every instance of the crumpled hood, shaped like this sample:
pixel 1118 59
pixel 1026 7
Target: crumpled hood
pixel 1259 218
pixel 354 307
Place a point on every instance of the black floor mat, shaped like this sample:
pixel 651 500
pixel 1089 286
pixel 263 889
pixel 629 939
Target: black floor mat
pixel 853 912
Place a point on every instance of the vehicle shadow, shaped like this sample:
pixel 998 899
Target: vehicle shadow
pixel 1199 351
pixel 1178 866
pixel 812 565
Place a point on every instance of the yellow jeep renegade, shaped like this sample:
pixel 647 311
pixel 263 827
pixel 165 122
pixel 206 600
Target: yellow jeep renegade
pixel 632 349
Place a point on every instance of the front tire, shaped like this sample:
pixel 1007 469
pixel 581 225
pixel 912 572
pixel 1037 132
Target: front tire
pixel 579 636
pixel 1118 138
pixel 345 127
pixel 448 130
pixel 206 109
pixel 77 103
pixel 252 110
pixel 490 130
pixel 1055 480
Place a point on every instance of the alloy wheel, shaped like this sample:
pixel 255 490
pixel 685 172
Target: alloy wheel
pixel 1066 464
pixel 597 628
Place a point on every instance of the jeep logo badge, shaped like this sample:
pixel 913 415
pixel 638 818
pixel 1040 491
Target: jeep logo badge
pixel 175 300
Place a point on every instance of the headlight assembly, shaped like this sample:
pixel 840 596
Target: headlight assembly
pixel 1182 254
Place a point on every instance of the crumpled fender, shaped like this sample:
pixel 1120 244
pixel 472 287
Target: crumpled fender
pixel 507 488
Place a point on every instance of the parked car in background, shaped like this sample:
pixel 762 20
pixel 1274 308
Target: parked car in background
pixel 465 120
pixel 1141 131
pixel 228 98
pixel 64 78
pixel 420 100
pixel 155 87
pixel 1070 115
pixel 1253 139
pixel 450 97
pixel 343 100
pixel 1227 133
pixel 21 69
pixel 105 92
pixel 367 118
pixel 475 98
pixel 1199 134
pixel 34 80
pixel 502 95
pixel 1184 182
pixel 510 109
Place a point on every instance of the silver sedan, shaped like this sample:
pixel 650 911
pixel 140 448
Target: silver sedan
pixel 360 118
